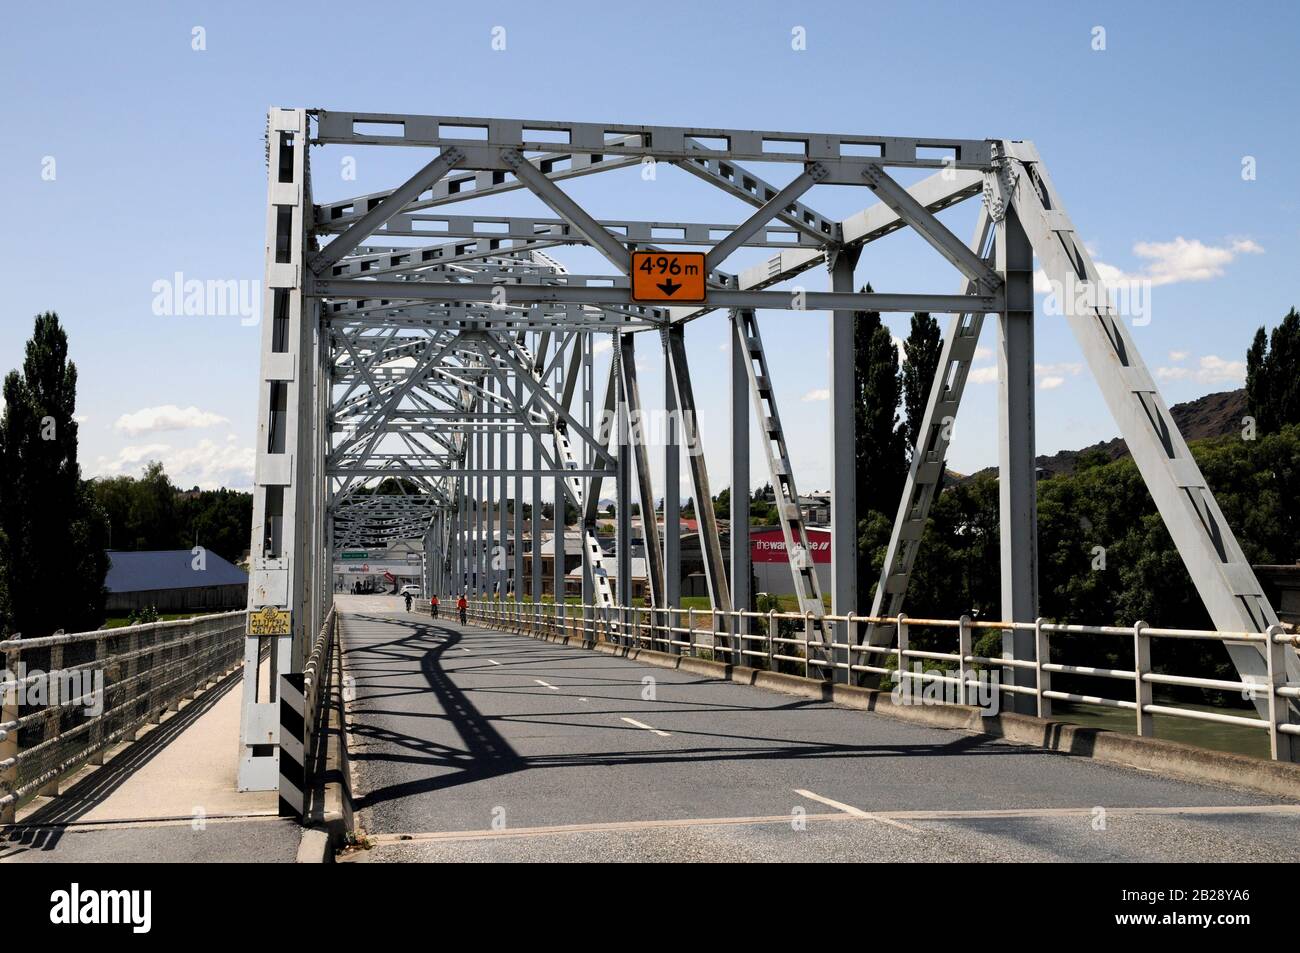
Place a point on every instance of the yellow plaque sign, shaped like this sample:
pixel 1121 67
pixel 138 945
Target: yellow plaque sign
pixel 269 620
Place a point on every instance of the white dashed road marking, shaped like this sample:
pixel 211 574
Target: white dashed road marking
pixel 854 811
pixel 546 684
pixel 653 731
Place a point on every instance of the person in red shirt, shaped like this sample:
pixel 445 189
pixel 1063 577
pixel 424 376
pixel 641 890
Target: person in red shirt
pixel 462 605
pixel 433 606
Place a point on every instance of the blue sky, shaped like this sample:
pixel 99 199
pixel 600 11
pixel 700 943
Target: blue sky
pixel 158 169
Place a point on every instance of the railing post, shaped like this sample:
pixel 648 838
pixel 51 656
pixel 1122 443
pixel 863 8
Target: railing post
pixel 904 644
pixel 1042 678
pixel 964 649
pixel 9 739
pixel 1281 744
pixel 850 634
pixel 1142 690
pixel 52 725
pixel 807 639
pixel 771 636
pixel 97 730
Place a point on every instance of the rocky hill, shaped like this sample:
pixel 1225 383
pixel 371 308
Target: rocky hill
pixel 1213 415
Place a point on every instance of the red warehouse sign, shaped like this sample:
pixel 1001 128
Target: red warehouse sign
pixel 768 545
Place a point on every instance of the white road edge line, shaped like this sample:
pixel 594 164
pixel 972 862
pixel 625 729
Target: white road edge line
pixel 653 731
pixel 855 811
pixel 546 684
pixel 494 661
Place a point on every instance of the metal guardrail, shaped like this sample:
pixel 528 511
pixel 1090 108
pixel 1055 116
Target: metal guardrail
pixel 67 698
pixel 691 631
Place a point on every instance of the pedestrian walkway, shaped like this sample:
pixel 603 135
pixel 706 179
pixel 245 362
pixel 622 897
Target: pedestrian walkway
pixel 171 795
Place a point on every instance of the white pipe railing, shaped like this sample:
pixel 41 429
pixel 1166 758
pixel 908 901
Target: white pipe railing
pixel 678 631
pixel 64 699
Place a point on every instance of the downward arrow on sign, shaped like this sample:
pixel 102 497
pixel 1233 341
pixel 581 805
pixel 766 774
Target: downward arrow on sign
pixel 668 287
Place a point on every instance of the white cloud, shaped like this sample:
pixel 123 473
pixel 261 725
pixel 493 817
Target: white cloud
pixel 1183 260
pixel 1170 262
pixel 1050 376
pixel 1210 369
pixel 602 345
pixel 821 393
pixel 167 417
pixel 983 353
pixel 207 464
pixel 1069 369
pixel 1177 357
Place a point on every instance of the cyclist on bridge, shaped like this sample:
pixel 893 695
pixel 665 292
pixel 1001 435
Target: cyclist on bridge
pixel 462 605
pixel 433 606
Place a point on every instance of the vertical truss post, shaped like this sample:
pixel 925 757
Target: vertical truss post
pixel 844 506
pixel 519 497
pixel 715 572
pixel 561 545
pixel 588 421
pixel 672 595
pixel 503 497
pixel 536 515
pixel 282 493
pixel 622 488
pixel 1017 486
pixel 480 518
pixel 489 492
pixel 741 596
pixel 645 489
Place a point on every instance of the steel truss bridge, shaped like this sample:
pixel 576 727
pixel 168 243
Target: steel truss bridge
pixel 426 369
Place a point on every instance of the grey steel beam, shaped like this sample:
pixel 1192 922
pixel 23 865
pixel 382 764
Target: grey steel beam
pixel 932 230
pixel 1017 482
pixel 567 209
pixel 844 505
pixel 641 458
pixel 361 229
pixel 660 142
pixel 621 295
pixel 715 572
pixel 672 594
pixel 743 232
pixel 741 594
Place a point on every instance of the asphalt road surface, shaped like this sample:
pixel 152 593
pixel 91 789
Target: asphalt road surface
pixel 470 744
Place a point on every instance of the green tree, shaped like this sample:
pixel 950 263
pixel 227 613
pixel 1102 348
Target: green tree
pixel 52 534
pixel 921 353
pixel 879 439
pixel 1273 375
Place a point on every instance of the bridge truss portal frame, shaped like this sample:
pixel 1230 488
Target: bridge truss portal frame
pixel 456 374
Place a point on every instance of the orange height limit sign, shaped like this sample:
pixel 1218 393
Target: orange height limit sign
pixel 668 276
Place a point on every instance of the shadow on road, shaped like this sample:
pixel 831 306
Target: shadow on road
pixel 487 754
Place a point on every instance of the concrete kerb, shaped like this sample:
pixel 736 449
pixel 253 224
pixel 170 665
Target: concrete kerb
pixel 330 816
pixel 1168 758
